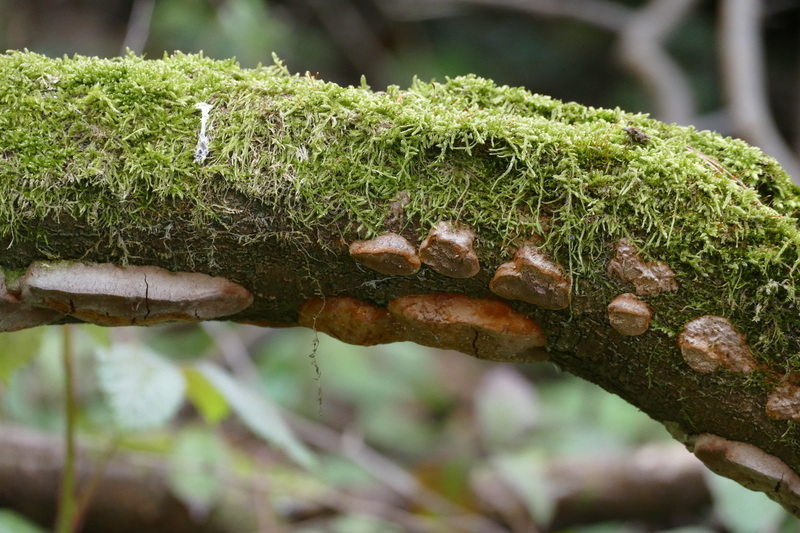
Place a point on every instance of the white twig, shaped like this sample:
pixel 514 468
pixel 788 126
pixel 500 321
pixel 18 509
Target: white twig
pixel 201 152
pixel 743 73
pixel 138 26
pixel 641 49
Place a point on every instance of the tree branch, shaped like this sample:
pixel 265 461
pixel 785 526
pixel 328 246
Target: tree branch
pixel 562 208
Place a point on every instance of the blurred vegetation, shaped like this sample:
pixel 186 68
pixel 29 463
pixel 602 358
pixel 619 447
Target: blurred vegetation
pixel 429 435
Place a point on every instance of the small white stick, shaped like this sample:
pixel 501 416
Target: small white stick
pixel 201 151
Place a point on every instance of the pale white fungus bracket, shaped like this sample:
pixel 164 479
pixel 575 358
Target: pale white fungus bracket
pixel 16 315
pixel 629 315
pixel 711 341
pixel 109 295
pixel 350 320
pixel 783 403
pixel 448 250
pixel 648 277
pixel 751 467
pixel 532 278
pixel 484 328
pixel 389 254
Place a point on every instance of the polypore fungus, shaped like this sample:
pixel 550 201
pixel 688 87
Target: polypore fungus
pixel 629 315
pixel 648 278
pixel 448 250
pixel 751 467
pixel 784 403
pixel 350 320
pixel 532 278
pixel 16 315
pixel 110 295
pixel 389 254
pixel 484 328
pixel 710 341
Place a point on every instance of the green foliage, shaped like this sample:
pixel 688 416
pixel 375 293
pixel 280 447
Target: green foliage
pixel 204 396
pixel 11 522
pixel 199 461
pixel 144 389
pixel 17 350
pixel 257 412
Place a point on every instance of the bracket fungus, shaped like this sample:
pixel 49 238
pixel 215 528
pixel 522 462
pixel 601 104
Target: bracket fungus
pixel 783 403
pixel 16 315
pixel 109 295
pixel 389 254
pixel 629 315
pixel 448 250
pixel 750 466
pixel 532 278
pixel 485 328
pixel 710 341
pixel 648 278
pixel 349 320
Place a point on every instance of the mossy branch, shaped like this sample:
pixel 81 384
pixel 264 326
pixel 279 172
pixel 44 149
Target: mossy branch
pixel 100 161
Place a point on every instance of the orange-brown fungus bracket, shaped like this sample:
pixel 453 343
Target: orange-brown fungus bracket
pixel 110 295
pixel 484 328
pixel 389 254
pixel 448 250
pixel 349 320
pixel 711 341
pixel 532 278
pixel 648 278
pixel 629 315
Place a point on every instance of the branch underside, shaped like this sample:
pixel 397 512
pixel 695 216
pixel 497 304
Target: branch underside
pixel 98 166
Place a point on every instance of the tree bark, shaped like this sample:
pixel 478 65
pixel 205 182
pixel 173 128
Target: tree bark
pixel 100 163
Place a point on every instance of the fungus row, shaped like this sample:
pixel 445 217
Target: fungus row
pixel 484 328
pixel 109 295
pixel 530 277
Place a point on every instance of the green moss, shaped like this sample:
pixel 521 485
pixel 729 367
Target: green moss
pixel 112 141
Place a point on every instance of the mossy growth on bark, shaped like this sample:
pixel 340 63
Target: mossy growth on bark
pixel 111 143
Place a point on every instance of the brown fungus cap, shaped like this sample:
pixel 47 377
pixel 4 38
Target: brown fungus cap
pixel 648 278
pixel 110 295
pixel 629 315
pixel 532 278
pixel 16 315
pixel 784 403
pixel 711 341
pixel 750 466
pixel 389 254
pixel 350 320
pixel 484 328
pixel 448 250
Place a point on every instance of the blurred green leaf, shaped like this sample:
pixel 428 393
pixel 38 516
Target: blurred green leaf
pixel 506 406
pixel 742 510
pixel 144 389
pixel 204 396
pixel 11 522
pixel 526 474
pixel 17 348
pixel 199 457
pixel 257 412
